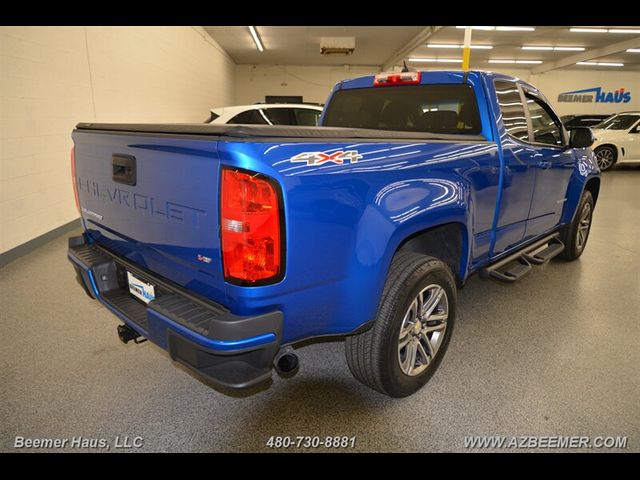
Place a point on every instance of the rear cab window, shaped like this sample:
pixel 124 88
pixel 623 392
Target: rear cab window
pixel 526 117
pixel 432 108
pixel 512 109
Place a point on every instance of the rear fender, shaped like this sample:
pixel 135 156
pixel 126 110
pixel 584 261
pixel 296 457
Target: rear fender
pixel 399 211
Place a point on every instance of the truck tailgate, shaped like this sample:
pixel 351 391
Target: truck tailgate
pixel 153 199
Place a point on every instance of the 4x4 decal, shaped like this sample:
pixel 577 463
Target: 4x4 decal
pixel 318 158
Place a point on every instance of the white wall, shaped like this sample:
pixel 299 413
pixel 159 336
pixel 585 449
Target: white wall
pixel 253 82
pixel 54 77
pixel 559 81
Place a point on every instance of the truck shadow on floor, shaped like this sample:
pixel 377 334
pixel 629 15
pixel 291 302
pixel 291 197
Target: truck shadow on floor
pixel 318 407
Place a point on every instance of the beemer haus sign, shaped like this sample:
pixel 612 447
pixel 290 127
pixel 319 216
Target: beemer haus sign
pixel 597 95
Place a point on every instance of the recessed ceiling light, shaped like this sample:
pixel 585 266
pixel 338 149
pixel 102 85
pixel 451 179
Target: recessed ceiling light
pixel 502 29
pixel 633 50
pixel 532 62
pixel 588 30
pixel 604 30
pixel 601 64
pixel 256 38
pixel 516 29
pixel 473 47
pixel 567 49
pixel 434 60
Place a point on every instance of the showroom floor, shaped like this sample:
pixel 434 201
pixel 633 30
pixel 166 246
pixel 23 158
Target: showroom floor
pixel 555 354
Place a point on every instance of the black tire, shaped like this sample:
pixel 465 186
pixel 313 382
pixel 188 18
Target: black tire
pixel 606 157
pixel 573 246
pixel 374 355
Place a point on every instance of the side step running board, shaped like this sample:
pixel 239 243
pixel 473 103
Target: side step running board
pixel 515 266
pixel 555 248
pixel 512 271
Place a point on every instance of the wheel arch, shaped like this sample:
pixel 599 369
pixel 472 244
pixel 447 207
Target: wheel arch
pixel 447 242
pixel 609 145
pixel 593 185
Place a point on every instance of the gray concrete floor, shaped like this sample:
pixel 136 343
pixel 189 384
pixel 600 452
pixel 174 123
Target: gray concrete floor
pixel 556 354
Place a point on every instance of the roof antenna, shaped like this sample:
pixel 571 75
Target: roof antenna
pixel 405 68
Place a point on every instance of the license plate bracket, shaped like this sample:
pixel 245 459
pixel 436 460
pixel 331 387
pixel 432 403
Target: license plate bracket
pixel 140 289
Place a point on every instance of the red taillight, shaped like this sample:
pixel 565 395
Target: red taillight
pixel 250 225
pixel 74 180
pixel 402 78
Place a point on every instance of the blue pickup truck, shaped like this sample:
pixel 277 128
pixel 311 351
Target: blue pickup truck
pixel 230 245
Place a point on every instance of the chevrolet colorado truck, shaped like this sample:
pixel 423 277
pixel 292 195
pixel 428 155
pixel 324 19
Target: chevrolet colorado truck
pixel 229 245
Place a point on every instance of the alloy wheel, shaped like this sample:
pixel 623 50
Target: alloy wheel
pixel 583 226
pixel 422 330
pixel 604 158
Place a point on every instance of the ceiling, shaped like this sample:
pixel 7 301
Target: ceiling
pixel 301 45
pixel 508 45
pixel 375 46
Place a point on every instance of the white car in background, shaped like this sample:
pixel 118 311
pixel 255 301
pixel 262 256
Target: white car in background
pixel 268 114
pixel 617 140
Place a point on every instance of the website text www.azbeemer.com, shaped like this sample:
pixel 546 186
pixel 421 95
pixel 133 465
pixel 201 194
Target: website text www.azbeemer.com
pixel 525 442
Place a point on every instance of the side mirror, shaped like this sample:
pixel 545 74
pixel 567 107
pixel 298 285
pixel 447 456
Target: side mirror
pixel 581 137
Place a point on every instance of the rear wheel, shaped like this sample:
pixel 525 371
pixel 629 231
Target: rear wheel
pixel 402 350
pixel 576 234
pixel 606 157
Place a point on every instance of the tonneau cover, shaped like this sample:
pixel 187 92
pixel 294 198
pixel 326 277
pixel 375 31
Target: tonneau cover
pixel 273 131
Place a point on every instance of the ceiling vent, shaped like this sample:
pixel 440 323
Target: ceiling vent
pixel 337 45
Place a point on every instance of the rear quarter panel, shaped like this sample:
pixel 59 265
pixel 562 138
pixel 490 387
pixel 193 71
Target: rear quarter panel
pixel 345 222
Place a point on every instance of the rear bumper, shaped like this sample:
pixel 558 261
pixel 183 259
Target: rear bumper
pixel 227 350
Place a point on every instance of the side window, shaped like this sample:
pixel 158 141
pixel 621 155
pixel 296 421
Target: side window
pixel 546 126
pixel 512 109
pixel 250 117
pixel 307 117
pixel 279 116
pixel 574 122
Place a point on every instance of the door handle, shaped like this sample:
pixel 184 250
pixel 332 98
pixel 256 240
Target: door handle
pixel 124 169
pixel 544 164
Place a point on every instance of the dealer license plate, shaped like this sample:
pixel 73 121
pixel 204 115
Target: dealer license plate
pixel 142 290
